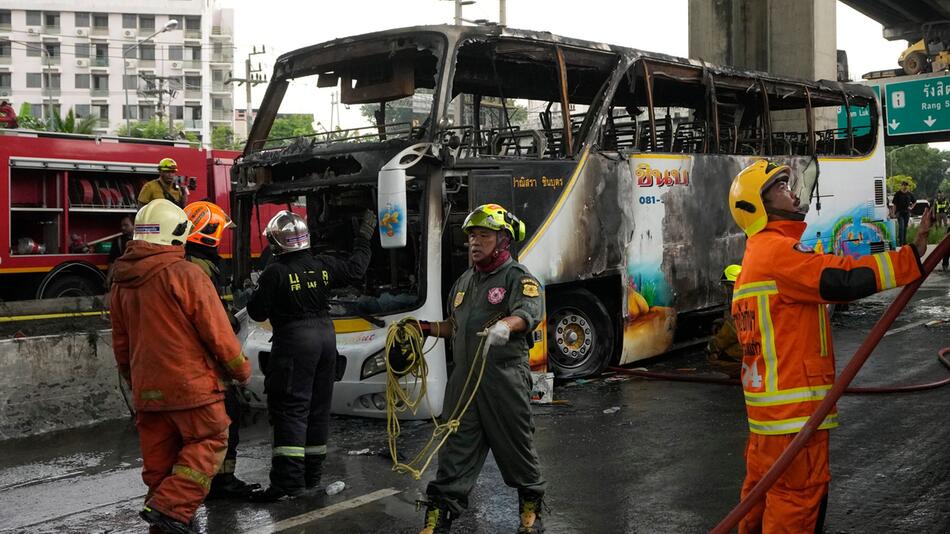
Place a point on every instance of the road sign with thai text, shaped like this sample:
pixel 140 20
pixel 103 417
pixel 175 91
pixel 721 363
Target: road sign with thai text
pixel 918 106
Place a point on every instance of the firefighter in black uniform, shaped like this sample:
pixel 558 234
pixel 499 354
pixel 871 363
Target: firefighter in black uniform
pixel 298 379
pixel 210 222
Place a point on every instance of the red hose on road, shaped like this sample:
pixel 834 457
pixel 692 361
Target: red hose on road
pixel 847 375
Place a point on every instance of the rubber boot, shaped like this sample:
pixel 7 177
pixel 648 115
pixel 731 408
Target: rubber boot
pixel 529 508
pixel 228 486
pixel 438 520
pixel 163 523
pixel 314 470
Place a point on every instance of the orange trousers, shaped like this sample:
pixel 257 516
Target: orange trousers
pixel 791 505
pixel 181 451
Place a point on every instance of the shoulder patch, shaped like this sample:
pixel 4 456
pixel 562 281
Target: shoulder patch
pixel 529 287
pixel 459 297
pixel 803 248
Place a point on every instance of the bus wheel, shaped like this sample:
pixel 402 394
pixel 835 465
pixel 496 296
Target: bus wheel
pixel 71 285
pixel 580 334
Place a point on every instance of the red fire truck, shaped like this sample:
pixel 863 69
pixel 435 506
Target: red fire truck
pixel 64 197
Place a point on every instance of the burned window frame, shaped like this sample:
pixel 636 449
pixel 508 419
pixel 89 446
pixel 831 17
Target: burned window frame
pixel 570 88
pixel 769 93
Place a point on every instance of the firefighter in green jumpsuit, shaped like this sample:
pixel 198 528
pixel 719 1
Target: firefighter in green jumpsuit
pixel 498 302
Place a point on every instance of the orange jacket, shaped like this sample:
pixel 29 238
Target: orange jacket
pixel 788 362
pixel 170 328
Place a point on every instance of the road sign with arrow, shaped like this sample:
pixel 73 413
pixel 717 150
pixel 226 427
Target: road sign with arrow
pixel 918 106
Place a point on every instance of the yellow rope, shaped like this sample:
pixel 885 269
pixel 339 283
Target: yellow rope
pixel 406 388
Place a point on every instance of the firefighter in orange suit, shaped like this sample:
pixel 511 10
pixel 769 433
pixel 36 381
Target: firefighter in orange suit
pixel 174 345
pixel 788 361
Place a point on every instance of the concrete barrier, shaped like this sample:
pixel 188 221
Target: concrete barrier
pixel 57 382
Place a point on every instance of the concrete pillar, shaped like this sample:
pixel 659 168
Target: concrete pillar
pixel 794 38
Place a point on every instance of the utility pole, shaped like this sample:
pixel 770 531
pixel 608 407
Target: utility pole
pixel 502 12
pixel 251 78
pixel 157 86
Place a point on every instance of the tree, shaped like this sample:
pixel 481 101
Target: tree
pixel 155 128
pixel 894 182
pixel 84 125
pixel 290 126
pixel 926 165
pixel 26 119
pixel 223 137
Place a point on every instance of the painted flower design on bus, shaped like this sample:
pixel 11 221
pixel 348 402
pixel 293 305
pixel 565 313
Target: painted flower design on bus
pixel 390 219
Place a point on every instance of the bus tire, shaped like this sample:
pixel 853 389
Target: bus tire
pixel 71 285
pixel 580 334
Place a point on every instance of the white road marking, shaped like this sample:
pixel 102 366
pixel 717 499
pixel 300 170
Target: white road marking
pixel 303 519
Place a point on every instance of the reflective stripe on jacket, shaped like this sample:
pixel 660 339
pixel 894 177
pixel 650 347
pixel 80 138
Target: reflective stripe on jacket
pixel 779 309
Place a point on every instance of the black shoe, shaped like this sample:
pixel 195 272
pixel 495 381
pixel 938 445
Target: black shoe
pixel 313 471
pixel 530 510
pixel 271 494
pixel 228 486
pixel 164 523
pixel 438 520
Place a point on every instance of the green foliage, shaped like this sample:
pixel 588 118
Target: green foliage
pixel 222 137
pixel 926 165
pixel 289 126
pixel 69 124
pixel 937 233
pixel 155 129
pixel 25 118
pixel 944 185
pixel 894 183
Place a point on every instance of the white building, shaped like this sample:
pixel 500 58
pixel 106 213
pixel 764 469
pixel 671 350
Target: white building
pixel 81 55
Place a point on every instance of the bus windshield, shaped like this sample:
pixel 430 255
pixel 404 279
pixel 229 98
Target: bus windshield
pixel 363 92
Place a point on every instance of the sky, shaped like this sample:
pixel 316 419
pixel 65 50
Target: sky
pixel 645 24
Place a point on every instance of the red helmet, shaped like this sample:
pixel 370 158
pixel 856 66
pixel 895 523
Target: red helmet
pixel 210 222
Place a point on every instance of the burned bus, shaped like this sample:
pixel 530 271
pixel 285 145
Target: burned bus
pixel 619 162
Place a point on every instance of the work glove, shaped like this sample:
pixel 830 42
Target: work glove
pixel 367 225
pixel 497 334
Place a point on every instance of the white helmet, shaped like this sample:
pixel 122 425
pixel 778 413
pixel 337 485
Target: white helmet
pixel 163 223
pixel 287 232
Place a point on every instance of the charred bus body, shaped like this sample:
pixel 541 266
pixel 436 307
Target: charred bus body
pixel 619 162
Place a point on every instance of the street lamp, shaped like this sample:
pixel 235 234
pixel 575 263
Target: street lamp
pixel 45 77
pixel 170 25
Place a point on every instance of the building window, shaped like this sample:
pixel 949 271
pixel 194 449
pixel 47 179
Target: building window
pixel 81 50
pixel 5 18
pixel 34 80
pixel 130 82
pixel 82 81
pixel 177 112
pixel 101 112
pixel 6 80
pixel 194 111
pixel 53 80
pixel 100 20
pixel 147 52
pixel 52 49
pixel 192 23
pixel 175 83
pixel 34 18
pixel 81 111
pixel 5 50
pixel 147 22
pixel 102 50
pixel 192 83
pixel 36 110
pixel 51 19
pixel 82 19
pixel 174 52
pixel 217 76
pixel 129 21
pixel 217 104
pixel 128 49
pixel 146 112
pixel 193 53
pixel 130 112
pixel 33 49
pixel 100 82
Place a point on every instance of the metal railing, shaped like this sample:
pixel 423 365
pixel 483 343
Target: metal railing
pixel 222 57
pixel 99 92
pixel 222 115
pixel 192 34
pixel 192 94
pixel 192 124
pixel 99 30
pixel 99 62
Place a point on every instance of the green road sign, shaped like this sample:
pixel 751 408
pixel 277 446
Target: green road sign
pixel 860 118
pixel 918 106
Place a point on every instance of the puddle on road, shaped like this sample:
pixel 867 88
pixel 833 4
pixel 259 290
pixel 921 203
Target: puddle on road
pixel 72 465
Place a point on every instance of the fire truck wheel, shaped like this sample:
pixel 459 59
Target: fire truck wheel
pixel 580 334
pixel 72 285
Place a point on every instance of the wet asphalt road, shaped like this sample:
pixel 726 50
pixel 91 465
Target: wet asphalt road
pixel 668 461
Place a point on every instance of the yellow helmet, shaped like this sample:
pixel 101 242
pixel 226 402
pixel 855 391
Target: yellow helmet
pixel 167 164
pixel 731 273
pixel 495 217
pixel 745 195
pixel 163 223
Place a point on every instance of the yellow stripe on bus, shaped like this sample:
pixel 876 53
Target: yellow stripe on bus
pixel 557 207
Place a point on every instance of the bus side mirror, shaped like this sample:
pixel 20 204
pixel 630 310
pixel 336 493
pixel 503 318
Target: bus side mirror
pixel 391 195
